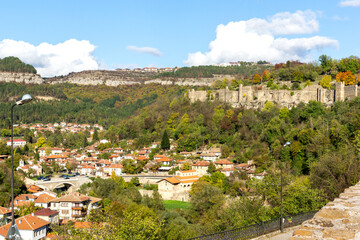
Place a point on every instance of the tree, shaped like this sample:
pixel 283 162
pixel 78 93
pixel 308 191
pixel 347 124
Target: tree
pixel 165 142
pixel 41 142
pixel 257 79
pixel 326 82
pixel 351 64
pixel 211 168
pixel 326 63
pixel 95 135
pixel 347 77
pixel 266 75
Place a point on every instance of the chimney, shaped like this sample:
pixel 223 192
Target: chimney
pixel 20 221
pixel 32 214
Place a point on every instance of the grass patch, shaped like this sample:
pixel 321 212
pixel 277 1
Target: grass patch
pixel 173 204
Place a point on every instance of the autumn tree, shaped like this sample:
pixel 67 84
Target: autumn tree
pixel 326 82
pixel 257 79
pixel 347 77
pixel 266 75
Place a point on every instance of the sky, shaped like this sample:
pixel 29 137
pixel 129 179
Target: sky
pixel 59 37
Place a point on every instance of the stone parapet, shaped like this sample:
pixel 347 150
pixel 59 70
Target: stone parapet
pixel 339 219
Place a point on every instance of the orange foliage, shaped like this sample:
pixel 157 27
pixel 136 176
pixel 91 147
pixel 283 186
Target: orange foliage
pixel 347 77
pixel 266 75
pixel 257 79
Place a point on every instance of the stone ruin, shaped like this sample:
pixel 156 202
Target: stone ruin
pixel 257 96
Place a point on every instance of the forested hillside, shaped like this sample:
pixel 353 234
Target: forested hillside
pixel 14 64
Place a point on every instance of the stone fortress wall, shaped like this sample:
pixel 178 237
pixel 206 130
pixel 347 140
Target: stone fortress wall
pixel 256 96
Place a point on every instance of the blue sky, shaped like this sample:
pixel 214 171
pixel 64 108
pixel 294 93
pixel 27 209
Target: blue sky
pixel 59 37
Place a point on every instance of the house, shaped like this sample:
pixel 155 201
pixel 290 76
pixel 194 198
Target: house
pixel 216 151
pixel 4 213
pixel 223 163
pixel 16 143
pixel 201 167
pixel 165 161
pixel 36 169
pixel 186 173
pixel 74 206
pixel 116 168
pixel 43 200
pixel 260 176
pixel 52 151
pixel 30 228
pixel 176 187
pixel 211 157
pixel 47 214
pixel 87 170
pixel 24 199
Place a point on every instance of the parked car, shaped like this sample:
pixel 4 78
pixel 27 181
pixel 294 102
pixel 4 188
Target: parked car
pixel 66 177
pixel 47 179
pixel 40 178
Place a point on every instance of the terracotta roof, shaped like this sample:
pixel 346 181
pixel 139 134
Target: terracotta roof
pixel 172 180
pixel 116 166
pixel 28 222
pixel 76 197
pixel 202 163
pixel 44 198
pixel 25 197
pixel 4 210
pixel 56 156
pixel 45 212
pixel 223 161
pixel 164 159
pixel 180 179
pixel 34 189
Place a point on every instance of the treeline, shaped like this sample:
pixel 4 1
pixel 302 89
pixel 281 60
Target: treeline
pixel 14 64
pixel 16 90
pixel 245 70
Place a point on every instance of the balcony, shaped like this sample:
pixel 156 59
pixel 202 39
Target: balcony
pixel 77 208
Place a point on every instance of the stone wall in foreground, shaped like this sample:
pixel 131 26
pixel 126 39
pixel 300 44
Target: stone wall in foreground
pixel 339 219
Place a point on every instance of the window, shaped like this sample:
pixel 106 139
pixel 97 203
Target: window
pixel 65 211
pixel 64 204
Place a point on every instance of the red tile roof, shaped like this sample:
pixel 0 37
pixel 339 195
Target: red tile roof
pixel 45 212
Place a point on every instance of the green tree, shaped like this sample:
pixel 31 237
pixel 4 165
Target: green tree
pixel 165 142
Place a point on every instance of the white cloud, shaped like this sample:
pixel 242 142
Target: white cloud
pixel 350 3
pixel 52 60
pixel 148 50
pixel 260 39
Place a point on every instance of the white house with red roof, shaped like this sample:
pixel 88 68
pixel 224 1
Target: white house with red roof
pixel 48 215
pixel 176 187
pixel 74 206
pixel 116 168
pixel 30 228
pixel 16 142
pixel 201 167
pixel 87 170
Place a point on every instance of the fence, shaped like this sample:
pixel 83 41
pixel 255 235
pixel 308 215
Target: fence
pixel 258 229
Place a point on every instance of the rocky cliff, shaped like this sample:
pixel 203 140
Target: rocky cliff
pixel 116 78
pixel 28 78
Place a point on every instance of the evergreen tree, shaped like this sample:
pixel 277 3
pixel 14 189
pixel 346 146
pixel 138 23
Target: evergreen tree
pixel 95 136
pixel 165 142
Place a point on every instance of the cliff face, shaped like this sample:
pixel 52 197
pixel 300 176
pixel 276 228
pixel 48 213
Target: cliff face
pixel 28 78
pixel 116 78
